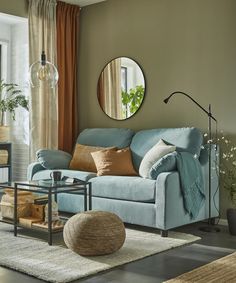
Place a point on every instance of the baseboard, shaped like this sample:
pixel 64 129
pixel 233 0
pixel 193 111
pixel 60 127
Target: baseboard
pixel 223 222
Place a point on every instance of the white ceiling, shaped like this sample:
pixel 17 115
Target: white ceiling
pixel 83 3
pixel 11 20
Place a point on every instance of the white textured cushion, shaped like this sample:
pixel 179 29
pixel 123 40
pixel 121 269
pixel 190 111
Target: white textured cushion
pixel 155 153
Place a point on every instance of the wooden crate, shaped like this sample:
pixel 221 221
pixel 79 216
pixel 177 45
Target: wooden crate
pixel 7 210
pixel 21 198
pixel 3 157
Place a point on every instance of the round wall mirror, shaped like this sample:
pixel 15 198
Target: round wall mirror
pixel 121 88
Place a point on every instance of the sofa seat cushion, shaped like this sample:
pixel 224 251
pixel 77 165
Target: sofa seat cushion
pixel 124 188
pixel 82 175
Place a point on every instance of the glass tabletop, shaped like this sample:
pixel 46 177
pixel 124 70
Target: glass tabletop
pixel 46 184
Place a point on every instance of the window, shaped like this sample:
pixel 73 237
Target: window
pixel 4 46
pixel 124 78
pixel 14 64
pixel 0 62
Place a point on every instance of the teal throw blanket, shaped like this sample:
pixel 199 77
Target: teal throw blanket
pixel 191 180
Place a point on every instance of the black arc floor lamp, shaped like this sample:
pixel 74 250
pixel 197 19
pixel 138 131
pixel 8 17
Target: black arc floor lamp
pixel 209 227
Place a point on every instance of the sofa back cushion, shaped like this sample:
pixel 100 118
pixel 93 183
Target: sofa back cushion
pixel 185 139
pixel 106 137
pixel 82 159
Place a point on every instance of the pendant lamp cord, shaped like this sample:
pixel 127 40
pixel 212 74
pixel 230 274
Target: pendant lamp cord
pixel 43 55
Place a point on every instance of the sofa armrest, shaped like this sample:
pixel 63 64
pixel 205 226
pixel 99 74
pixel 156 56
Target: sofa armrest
pixel 169 201
pixel 32 169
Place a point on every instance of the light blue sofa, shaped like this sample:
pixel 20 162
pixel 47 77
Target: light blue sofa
pixel 154 203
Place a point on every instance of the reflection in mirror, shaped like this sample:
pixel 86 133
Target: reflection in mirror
pixel 121 88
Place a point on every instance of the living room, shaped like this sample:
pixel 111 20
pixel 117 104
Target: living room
pixel 181 47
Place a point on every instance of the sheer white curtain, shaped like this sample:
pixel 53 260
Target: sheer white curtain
pixel 43 100
pixel 19 129
pixel 112 89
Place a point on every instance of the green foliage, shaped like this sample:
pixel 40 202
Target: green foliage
pixel 133 99
pixel 228 167
pixel 11 97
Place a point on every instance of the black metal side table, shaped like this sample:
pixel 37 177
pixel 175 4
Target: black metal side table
pixel 51 189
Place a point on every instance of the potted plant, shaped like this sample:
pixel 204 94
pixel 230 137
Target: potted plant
pixel 11 97
pixel 228 178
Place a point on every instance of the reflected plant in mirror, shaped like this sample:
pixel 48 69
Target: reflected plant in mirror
pixel 132 100
pixel 121 88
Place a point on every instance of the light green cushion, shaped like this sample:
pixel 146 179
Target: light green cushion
pixel 159 150
pixel 53 159
pixel 166 164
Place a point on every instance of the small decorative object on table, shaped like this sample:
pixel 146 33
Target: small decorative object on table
pixel 55 214
pixel 70 180
pixel 55 176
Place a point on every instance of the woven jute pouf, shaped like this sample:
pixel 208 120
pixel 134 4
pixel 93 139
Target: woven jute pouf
pixel 93 233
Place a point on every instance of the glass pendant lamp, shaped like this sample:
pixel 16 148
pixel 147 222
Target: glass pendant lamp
pixel 43 72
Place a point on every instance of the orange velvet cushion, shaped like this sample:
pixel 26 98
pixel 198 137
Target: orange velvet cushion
pixel 114 162
pixel 82 158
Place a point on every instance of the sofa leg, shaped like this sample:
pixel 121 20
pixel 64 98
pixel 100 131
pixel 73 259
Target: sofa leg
pixel 164 233
pixel 212 221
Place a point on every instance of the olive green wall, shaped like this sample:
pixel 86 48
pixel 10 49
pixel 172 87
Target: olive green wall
pixel 187 45
pixel 14 7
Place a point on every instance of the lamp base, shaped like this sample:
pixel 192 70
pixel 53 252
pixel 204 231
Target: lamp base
pixel 210 227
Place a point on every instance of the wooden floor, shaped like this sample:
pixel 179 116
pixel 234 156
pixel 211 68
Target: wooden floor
pixel 159 267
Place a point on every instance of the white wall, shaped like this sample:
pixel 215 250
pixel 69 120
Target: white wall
pixel 5 40
pixel 5 31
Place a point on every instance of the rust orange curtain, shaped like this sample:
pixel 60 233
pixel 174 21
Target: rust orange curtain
pixel 67 60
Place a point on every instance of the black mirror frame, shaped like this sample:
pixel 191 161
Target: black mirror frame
pixel 144 78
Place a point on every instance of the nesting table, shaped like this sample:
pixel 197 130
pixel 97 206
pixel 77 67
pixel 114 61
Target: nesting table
pixel 51 189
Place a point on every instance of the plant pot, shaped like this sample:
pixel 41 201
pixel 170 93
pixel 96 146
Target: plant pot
pixel 231 217
pixel 4 133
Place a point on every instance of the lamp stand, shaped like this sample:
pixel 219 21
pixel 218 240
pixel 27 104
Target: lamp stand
pixel 210 227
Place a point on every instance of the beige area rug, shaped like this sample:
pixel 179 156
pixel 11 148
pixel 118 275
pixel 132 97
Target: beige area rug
pixel 222 270
pixel 59 264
